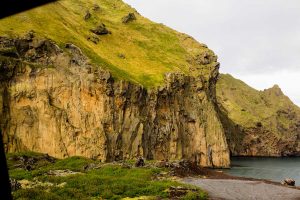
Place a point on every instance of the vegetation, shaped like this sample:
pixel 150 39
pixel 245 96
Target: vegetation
pixel 149 49
pixel 252 108
pixel 110 181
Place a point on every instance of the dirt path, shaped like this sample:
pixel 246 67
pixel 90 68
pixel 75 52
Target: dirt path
pixel 221 189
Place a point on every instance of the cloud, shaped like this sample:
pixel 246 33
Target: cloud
pixel 253 39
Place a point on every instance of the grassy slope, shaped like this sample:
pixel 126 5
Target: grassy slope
pixel 151 49
pixel 247 106
pixel 109 182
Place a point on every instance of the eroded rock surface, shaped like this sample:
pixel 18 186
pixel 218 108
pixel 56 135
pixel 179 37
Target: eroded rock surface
pixel 56 102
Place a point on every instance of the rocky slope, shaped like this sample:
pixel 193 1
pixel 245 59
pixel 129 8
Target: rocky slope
pixel 107 84
pixel 258 123
pixel 55 101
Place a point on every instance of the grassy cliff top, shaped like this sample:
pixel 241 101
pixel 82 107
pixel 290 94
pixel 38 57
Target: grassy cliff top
pixel 249 107
pixel 140 51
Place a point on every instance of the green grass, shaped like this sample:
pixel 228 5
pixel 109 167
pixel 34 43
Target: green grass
pixel 109 182
pixel 151 49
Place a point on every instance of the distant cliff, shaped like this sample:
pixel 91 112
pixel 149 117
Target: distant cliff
pixel 258 123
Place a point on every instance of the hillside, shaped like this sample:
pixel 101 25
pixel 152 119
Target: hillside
pixel 96 79
pixel 263 123
pixel 140 51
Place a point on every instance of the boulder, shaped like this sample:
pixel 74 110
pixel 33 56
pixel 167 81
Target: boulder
pixel 87 15
pixel 140 162
pixel 289 182
pixel 128 18
pixel 101 30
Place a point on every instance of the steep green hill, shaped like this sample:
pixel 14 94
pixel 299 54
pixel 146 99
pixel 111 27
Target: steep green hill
pixel 139 50
pixel 258 122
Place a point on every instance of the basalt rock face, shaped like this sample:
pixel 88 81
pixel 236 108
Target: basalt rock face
pixel 54 101
pixel 258 123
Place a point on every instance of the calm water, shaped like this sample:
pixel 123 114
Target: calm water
pixel 275 169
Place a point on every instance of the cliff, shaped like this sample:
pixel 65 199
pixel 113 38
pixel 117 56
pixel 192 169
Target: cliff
pixel 55 101
pixel 258 123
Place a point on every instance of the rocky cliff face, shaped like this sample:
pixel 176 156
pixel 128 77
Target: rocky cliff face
pixel 52 100
pixel 258 123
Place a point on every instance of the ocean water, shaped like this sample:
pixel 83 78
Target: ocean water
pixel 275 169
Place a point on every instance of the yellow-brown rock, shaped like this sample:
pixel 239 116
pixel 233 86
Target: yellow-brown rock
pixel 55 102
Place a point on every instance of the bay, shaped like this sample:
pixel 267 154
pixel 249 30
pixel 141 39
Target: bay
pixel 275 169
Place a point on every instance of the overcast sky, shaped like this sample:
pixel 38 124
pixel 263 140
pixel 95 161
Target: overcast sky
pixel 257 41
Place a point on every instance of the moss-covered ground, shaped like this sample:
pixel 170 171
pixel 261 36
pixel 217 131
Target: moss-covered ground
pixel 110 181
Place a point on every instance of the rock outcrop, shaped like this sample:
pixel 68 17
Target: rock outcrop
pixel 258 123
pixel 54 101
pixel 128 18
pixel 100 30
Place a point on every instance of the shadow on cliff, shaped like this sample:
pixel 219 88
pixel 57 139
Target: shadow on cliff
pixel 234 133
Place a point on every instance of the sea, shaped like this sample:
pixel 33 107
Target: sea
pixel 274 169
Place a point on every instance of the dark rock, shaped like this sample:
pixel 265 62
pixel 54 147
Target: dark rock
pixel 30 163
pixel 289 182
pixel 90 166
pixel 49 158
pixel 93 39
pixel 9 52
pixel 185 168
pixel 22 46
pixel 121 56
pixel 259 124
pixel 101 30
pixel 15 185
pixel 87 15
pixel 140 162
pixel 128 18
pixel 96 7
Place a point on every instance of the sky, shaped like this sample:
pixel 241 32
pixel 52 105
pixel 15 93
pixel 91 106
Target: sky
pixel 257 41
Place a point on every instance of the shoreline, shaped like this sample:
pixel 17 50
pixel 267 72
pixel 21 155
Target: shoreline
pixel 219 174
pixel 220 185
pixel 230 189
